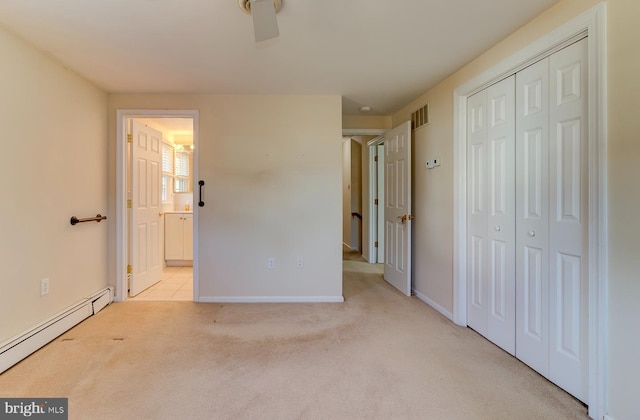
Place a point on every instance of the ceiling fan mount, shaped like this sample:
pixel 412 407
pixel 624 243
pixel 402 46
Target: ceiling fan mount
pixel 245 5
pixel 263 12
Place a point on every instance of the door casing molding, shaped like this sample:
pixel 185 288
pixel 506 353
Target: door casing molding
pixel 121 192
pixel 591 24
pixel 373 185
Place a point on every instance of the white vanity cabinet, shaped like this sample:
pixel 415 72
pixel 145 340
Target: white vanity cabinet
pixel 178 237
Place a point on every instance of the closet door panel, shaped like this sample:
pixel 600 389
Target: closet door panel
pixel 500 218
pixel 532 216
pixel 568 160
pixel 477 307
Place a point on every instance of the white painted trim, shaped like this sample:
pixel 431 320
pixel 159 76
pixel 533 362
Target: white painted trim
pixel 121 192
pixel 271 299
pixel 434 305
pixel 592 23
pixel 608 417
pixel 363 131
pixel 377 141
pixel 373 224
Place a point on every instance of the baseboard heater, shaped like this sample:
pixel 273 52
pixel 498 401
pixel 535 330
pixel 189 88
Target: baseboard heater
pixel 21 346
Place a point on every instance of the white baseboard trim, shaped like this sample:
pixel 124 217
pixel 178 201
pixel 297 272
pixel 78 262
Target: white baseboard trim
pixel 434 305
pixel 271 299
pixel 17 348
pixel 607 417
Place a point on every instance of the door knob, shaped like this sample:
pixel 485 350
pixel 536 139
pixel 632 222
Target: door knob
pixel 405 217
pixel 161 213
pixel 532 233
pixel 498 228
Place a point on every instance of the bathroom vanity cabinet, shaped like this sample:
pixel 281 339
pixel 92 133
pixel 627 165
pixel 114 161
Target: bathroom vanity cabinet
pixel 178 237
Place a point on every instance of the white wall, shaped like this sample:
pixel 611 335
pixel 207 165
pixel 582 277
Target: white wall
pixel 624 208
pixel 272 167
pixel 53 166
pixel 433 196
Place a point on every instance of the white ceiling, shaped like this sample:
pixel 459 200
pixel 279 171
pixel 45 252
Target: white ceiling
pixel 378 53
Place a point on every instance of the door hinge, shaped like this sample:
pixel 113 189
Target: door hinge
pixel 129 203
pixel 129 269
pixel 129 138
pixel 375 158
pixel 375 244
pixel 375 201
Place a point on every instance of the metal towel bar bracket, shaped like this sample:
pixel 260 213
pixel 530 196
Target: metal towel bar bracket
pixel 74 220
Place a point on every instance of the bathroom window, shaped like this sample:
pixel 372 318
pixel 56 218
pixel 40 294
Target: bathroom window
pixel 167 170
pixel 182 171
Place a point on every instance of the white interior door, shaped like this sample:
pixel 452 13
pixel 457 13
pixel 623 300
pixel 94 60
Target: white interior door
pixel 145 252
pixel 477 307
pixel 491 224
pixel 397 209
pixel 380 214
pixel 532 216
pixel 568 216
pixel 535 233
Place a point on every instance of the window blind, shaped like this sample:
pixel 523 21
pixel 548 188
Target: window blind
pixel 167 158
pixel 181 164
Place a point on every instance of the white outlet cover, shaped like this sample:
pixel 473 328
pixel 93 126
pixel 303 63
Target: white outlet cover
pixel 44 286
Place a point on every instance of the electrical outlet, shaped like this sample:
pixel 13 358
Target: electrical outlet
pixel 44 287
pixel 429 164
pixel 271 262
pixel 437 161
pixel 300 262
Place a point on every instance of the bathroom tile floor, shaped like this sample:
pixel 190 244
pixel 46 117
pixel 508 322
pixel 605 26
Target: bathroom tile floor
pixel 176 284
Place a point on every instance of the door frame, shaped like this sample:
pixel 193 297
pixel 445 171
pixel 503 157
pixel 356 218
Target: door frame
pixel 592 24
pixel 366 218
pixel 121 192
pixel 373 189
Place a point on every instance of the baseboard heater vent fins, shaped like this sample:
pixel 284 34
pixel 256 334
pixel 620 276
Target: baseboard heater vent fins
pixel 21 346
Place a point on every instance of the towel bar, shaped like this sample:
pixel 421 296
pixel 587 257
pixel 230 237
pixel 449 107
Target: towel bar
pixel 74 220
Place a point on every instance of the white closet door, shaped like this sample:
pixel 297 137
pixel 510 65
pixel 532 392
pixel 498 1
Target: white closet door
pixel 477 212
pixel 568 221
pixel 491 221
pixel 532 216
pixel 527 283
pixel 501 220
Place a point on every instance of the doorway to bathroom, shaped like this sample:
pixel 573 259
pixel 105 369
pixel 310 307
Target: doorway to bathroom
pixel 156 244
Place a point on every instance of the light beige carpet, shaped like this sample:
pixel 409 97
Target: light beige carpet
pixel 379 355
